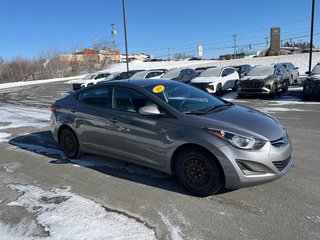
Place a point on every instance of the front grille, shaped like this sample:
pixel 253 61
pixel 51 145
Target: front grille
pixel 281 141
pixel 202 86
pixel 252 84
pixel 280 165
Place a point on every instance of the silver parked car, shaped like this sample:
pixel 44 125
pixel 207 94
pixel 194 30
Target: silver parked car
pixel 208 143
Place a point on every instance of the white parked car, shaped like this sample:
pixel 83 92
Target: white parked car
pixel 100 76
pixel 215 80
pixel 89 79
pixel 152 74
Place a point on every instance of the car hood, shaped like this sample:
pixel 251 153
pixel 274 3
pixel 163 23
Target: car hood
pixel 244 121
pixel 205 79
pixel 255 78
pixel 315 77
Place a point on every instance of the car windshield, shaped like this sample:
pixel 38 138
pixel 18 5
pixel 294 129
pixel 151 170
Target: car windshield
pixel 138 75
pixel 88 77
pixel 211 72
pixel 172 73
pixel 315 70
pixel 112 76
pixel 185 98
pixel 261 71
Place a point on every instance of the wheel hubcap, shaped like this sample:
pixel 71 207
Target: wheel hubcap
pixel 196 172
pixel 69 143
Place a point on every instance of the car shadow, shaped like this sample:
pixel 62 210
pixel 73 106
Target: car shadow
pixel 43 143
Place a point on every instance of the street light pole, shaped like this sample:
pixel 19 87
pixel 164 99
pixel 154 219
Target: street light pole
pixel 234 46
pixel 311 37
pixel 125 32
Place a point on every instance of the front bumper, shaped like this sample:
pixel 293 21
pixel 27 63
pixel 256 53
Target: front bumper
pixel 209 87
pixel 243 168
pixel 262 90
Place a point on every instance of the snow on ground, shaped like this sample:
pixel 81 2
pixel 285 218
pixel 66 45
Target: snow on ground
pixel 65 215
pixel 27 83
pixel 174 230
pixel 4 136
pixel 14 116
pixel 299 60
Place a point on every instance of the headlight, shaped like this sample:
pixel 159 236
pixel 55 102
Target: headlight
pixel 238 141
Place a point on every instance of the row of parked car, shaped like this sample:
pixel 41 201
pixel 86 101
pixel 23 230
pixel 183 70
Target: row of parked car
pixel 246 80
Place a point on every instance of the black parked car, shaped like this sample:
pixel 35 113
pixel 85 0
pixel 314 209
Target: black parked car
pixel 264 79
pixel 242 69
pixel 311 86
pixel 127 75
pixel 184 75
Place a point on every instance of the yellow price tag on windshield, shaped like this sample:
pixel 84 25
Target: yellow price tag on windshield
pixel 158 89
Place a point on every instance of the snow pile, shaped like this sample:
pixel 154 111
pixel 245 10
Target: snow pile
pixel 65 215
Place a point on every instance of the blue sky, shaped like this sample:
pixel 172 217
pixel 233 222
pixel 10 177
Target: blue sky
pixel 160 27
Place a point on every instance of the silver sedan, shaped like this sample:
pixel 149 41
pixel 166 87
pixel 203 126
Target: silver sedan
pixel 208 143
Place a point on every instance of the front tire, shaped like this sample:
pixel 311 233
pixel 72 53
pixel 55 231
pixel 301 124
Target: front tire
pixel 219 90
pixel 198 172
pixel 69 143
pixel 236 86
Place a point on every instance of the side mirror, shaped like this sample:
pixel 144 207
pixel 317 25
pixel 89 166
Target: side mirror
pixel 296 68
pixel 149 111
pixel 224 75
pixel 307 72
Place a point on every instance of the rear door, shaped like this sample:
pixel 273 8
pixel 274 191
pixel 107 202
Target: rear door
pixel 90 116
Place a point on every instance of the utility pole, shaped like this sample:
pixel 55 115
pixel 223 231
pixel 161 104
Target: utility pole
pixel 94 41
pixel 169 54
pixel 267 42
pixel 113 33
pixel 125 32
pixel 234 46
pixel 311 37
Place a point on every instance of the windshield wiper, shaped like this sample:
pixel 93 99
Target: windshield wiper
pixel 218 107
pixel 209 110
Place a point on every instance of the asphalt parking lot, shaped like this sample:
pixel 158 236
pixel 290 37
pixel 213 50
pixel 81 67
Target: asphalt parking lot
pixel 32 166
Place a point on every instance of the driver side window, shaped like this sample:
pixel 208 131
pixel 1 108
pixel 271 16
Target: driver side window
pixel 129 100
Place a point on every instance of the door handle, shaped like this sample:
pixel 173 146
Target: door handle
pixel 72 110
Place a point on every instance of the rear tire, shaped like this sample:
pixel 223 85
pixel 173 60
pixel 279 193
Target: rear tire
pixel 69 143
pixel 241 95
pixel 286 87
pixel 198 172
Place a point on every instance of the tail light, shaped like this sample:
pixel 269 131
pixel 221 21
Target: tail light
pixel 54 107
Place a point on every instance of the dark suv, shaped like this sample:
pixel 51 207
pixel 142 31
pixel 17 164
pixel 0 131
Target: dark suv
pixel 184 75
pixel 242 69
pixel 311 86
pixel 264 79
